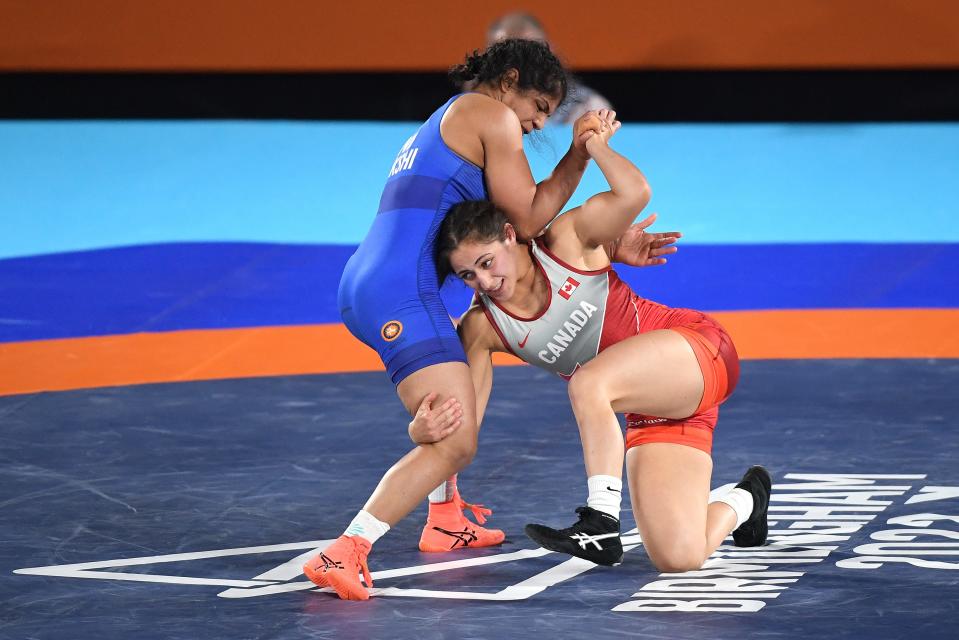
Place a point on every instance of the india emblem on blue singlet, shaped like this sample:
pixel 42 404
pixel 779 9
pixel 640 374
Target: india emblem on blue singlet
pixel 391 330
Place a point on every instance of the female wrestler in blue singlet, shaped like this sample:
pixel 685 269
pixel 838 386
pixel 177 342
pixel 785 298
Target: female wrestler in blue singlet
pixel 470 148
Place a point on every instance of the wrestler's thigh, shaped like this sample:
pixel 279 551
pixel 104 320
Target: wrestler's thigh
pixel 654 373
pixel 447 380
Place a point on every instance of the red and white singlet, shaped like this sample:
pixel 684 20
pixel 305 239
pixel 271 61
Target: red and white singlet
pixel 586 312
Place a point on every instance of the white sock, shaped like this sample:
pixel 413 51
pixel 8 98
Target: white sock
pixel 605 494
pixel 444 492
pixel 741 502
pixel 366 526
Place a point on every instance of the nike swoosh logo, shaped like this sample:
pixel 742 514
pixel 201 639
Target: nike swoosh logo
pixel 523 343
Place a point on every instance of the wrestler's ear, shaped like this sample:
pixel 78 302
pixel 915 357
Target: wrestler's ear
pixel 509 80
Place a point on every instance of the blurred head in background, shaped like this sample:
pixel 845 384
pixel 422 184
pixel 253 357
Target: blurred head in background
pixel 515 25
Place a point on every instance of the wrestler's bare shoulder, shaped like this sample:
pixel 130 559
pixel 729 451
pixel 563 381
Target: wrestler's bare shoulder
pixel 482 109
pixel 476 331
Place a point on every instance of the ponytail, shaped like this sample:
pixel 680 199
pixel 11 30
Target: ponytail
pixel 538 67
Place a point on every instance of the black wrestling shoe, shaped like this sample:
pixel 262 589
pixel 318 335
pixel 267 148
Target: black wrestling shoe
pixel 752 533
pixel 595 537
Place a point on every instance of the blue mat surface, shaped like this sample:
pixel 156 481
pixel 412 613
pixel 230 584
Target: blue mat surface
pixel 113 475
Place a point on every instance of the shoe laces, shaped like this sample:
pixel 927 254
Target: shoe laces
pixel 579 524
pixel 358 555
pixel 479 511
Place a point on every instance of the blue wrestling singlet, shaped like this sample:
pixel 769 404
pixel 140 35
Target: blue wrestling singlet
pixel 389 295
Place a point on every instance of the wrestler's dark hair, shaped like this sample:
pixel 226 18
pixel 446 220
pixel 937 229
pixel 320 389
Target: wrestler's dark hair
pixel 538 67
pixel 473 220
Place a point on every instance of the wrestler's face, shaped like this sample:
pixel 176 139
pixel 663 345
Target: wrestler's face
pixel 531 106
pixel 487 267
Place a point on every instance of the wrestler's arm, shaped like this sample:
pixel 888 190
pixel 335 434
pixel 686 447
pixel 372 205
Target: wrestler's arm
pixel 528 205
pixel 479 342
pixel 605 217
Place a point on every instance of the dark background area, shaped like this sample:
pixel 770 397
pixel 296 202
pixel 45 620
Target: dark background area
pixel 640 96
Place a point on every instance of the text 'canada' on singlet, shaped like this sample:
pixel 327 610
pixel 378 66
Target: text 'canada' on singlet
pixel 585 312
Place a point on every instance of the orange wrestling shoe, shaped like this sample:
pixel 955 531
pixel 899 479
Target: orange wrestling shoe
pixel 339 565
pixel 447 529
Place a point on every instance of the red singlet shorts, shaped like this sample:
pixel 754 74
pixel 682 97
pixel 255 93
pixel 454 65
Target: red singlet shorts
pixel 720 366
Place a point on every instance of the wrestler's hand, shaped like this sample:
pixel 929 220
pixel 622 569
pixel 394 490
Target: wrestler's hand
pixel 596 125
pixel 639 248
pixel 432 425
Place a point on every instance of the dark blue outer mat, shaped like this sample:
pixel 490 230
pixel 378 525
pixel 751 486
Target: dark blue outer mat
pixel 141 471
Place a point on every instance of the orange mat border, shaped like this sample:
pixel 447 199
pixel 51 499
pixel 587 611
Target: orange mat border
pixel 83 363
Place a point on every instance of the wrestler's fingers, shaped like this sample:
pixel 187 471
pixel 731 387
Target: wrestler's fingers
pixel 427 402
pixel 449 404
pixel 452 414
pixel 647 221
pixel 433 415
pixel 450 429
pixel 662 251
pixel 586 135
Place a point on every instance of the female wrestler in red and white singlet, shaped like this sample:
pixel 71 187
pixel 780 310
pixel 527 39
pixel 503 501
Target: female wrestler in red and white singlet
pixel 557 304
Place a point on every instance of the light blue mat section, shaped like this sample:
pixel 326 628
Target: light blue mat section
pixel 77 185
